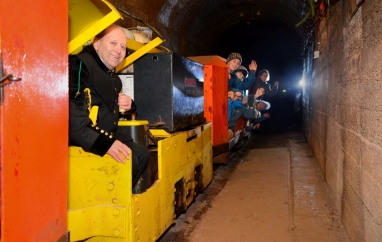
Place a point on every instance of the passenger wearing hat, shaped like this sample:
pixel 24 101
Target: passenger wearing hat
pixel 233 62
pixel 259 105
pixel 262 82
pixel 241 72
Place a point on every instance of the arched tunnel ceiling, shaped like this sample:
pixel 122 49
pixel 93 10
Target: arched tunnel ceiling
pixel 214 27
pixel 207 20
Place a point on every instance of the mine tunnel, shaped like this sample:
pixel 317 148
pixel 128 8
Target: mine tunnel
pixel 310 172
pixel 332 59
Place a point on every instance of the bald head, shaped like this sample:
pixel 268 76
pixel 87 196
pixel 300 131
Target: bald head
pixel 110 46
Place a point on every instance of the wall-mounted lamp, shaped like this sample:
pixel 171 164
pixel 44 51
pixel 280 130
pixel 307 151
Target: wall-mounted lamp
pixel 316 54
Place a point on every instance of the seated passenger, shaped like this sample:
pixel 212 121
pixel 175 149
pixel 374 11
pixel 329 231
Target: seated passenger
pixel 248 113
pixel 94 68
pixel 233 102
pixel 241 73
pixel 233 62
pixel 260 105
pixel 262 82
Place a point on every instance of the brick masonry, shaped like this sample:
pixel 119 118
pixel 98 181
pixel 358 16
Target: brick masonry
pixel 343 113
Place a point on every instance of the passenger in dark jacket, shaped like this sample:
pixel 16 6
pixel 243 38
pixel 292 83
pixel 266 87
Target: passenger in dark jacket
pixel 94 69
pixel 262 82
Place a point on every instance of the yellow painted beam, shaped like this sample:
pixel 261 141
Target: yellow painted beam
pixel 140 52
pixel 133 45
pixel 87 18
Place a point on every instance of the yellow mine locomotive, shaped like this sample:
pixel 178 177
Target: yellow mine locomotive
pixel 101 203
pixel 52 192
pixel 101 206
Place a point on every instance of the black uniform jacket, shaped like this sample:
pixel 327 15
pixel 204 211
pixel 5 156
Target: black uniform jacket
pixel 86 70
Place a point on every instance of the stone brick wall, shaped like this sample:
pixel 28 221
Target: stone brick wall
pixel 343 113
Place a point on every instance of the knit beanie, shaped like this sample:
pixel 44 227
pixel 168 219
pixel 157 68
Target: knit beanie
pixel 234 56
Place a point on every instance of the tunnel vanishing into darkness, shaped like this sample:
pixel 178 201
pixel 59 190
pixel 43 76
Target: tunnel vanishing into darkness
pixel 342 90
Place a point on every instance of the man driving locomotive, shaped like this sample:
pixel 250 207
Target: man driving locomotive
pixel 94 69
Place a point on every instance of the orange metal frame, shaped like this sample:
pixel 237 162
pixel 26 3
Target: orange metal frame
pixel 34 120
pixel 215 96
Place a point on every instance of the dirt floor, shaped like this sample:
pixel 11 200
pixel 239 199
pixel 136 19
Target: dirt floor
pixel 271 190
